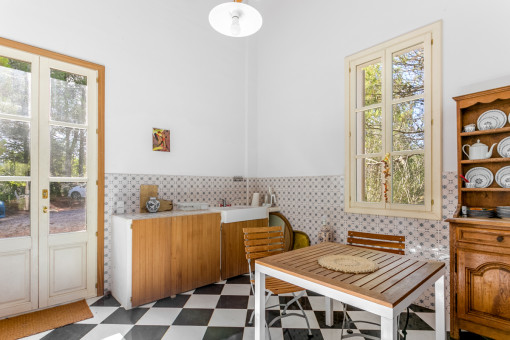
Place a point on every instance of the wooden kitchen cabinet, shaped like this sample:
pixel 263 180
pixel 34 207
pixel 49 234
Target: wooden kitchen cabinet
pixel 480 280
pixel 480 247
pixel 156 258
pixel 233 256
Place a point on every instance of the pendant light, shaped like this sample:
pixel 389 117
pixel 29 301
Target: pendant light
pixel 235 19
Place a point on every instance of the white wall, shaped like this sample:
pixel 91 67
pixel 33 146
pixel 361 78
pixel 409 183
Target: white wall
pixel 165 67
pixel 301 51
pixel 268 105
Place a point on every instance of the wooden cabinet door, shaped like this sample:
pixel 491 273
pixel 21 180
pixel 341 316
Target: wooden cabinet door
pixel 233 256
pixel 151 277
pixel 205 259
pixel 195 251
pixel 483 293
pixel 174 255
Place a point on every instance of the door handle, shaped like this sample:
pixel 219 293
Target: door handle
pixel 45 210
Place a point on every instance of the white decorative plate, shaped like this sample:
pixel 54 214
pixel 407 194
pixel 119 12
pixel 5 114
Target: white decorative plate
pixel 492 119
pixel 504 147
pixel 482 177
pixel 503 177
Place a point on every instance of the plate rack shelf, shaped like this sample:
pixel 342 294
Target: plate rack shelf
pixel 469 109
pixel 480 247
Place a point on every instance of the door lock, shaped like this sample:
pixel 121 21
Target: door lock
pixel 45 210
pixel 45 194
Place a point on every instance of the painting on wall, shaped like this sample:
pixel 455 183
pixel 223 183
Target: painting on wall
pixel 160 140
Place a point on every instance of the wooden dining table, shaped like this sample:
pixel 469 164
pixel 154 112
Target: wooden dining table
pixel 387 292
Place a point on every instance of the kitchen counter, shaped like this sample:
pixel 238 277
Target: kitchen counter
pixel 165 214
pixel 176 213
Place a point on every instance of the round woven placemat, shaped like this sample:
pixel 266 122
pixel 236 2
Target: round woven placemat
pixel 348 264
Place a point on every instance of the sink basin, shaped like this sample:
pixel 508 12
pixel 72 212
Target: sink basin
pixel 241 213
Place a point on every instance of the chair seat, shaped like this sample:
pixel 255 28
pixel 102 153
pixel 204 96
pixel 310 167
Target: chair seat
pixel 277 286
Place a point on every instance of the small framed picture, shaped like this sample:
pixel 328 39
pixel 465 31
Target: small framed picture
pixel 160 140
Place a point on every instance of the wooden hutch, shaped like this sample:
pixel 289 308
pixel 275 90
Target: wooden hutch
pixel 480 247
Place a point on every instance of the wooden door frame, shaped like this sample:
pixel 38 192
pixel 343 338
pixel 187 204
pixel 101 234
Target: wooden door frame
pixel 100 139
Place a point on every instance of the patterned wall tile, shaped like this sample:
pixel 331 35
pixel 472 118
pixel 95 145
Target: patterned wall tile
pixel 303 200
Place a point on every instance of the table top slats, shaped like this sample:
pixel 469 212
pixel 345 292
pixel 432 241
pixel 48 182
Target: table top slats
pixel 408 267
pixel 415 279
pixel 300 261
pixel 388 283
pixel 296 254
pixel 383 270
pixel 312 261
pixel 384 263
pixel 397 277
pixel 376 257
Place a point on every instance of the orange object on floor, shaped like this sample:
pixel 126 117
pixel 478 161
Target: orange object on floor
pixel 36 322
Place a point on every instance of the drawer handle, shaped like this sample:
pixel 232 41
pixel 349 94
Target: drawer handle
pixel 500 238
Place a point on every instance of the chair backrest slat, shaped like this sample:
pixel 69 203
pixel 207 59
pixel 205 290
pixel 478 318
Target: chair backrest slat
pixel 388 243
pixel 261 235
pixel 262 242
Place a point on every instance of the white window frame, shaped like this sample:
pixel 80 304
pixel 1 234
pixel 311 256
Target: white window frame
pixel 431 38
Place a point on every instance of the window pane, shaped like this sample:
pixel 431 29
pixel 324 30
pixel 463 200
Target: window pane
pixel 408 126
pixel 14 209
pixel 369 181
pixel 15 87
pixel 369 84
pixel 408 73
pixel 14 148
pixel 68 152
pixel 68 97
pixel 369 131
pixel 408 179
pixel 67 207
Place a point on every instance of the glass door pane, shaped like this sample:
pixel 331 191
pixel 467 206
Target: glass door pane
pixel 67 207
pixel 15 86
pixel 14 209
pixel 68 151
pixel 15 139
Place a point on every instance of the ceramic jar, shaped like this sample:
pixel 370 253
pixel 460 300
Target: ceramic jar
pixel 325 234
pixel 152 205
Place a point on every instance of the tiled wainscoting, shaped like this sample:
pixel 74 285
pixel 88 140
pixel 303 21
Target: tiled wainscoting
pixel 126 188
pixel 303 200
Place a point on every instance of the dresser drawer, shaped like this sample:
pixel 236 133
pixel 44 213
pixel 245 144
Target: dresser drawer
pixel 497 238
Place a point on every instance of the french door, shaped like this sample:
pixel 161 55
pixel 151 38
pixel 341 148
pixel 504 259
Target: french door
pixel 48 182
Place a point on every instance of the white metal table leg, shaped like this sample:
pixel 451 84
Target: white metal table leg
pixel 440 309
pixel 260 305
pixel 389 329
pixel 329 311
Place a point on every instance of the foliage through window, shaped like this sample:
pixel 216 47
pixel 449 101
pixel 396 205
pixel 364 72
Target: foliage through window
pixel 393 147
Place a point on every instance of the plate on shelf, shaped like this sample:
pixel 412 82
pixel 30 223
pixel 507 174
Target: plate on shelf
pixel 492 119
pixel 503 177
pixel 504 147
pixel 482 177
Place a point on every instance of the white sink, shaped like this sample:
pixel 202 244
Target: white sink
pixel 241 213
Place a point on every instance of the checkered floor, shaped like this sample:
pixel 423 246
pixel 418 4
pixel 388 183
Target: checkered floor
pixel 222 311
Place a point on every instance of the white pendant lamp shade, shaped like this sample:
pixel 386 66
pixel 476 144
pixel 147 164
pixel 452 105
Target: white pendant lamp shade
pixel 235 19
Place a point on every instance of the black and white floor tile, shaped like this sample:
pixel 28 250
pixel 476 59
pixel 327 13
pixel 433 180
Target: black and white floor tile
pixel 222 311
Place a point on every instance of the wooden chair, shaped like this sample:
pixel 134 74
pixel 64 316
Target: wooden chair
pixel 267 241
pixel 387 243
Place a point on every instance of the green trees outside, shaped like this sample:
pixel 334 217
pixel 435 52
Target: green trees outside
pixel 68 150
pixel 407 170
